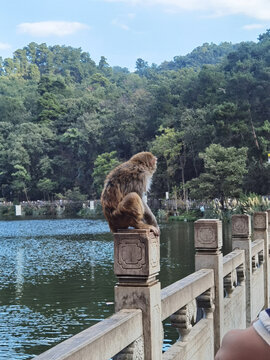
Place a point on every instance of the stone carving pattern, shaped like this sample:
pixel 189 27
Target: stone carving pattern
pixel 206 235
pixel 131 253
pixel 134 351
pixel 240 226
pixel 206 301
pixel 157 323
pixel 154 253
pixel 259 221
pixel 184 319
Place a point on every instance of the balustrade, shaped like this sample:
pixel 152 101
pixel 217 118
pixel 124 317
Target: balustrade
pixel 226 291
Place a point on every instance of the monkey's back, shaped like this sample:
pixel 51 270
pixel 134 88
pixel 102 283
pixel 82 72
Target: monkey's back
pixel 124 179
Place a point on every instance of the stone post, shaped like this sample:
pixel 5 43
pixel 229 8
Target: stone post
pixel 268 212
pixel 208 244
pixel 260 231
pixel 136 265
pixel 241 239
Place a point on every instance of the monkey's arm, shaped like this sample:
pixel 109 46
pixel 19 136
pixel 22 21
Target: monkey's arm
pixel 149 217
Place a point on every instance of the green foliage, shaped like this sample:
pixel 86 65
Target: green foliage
pixel 75 194
pixel 7 211
pixel 168 146
pixel 46 186
pixel 103 164
pixel 201 55
pixel 87 213
pixel 248 204
pixel 186 216
pixel 60 113
pixel 161 215
pixel 223 176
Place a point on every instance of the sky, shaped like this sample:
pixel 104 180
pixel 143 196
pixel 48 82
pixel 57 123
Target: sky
pixel 125 30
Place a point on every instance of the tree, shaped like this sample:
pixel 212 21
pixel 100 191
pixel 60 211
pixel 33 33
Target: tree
pixel 20 180
pixel 141 67
pixel 103 63
pixel 46 186
pixel 57 108
pixel 170 146
pixel 223 176
pixel 103 164
pixel 75 194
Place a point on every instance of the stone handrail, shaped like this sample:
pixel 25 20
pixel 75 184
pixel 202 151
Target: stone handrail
pixel 232 261
pixel 100 341
pixel 184 291
pixel 256 247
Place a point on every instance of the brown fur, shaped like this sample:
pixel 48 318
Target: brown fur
pixel 121 197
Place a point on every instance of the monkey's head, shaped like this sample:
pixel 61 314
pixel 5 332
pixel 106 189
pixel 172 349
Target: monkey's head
pixel 146 159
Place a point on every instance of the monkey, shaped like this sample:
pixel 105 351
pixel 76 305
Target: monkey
pixel 122 195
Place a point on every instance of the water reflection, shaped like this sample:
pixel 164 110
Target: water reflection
pixel 57 279
pixel 19 272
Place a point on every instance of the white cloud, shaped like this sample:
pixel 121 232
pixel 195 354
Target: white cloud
pixel 119 24
pixel 48 28
pixel 4 46
pixel 131 15
pixel 258 9
pixel 122 21
pixel 254 26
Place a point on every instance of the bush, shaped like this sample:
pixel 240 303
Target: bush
pixel 7 211
pixel 28 211
pixel 91 214
pixel 192 215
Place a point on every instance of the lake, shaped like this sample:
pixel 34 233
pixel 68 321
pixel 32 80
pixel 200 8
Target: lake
pixel 57 279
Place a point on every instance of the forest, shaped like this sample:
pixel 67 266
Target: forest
pixel 65 121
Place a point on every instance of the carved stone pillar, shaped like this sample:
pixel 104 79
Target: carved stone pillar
pixel 260 231
pixel 241 239
pixel 208 243
pixel 136 265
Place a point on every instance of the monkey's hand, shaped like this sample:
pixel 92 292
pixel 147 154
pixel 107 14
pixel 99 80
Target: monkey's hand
pixel 155 230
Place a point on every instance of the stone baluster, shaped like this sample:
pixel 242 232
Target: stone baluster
pixel 255 262
pixel 268 212
pixel 184 319
pixel 260 231
pixel 241 239
pixel 241 274
pixel 207 302
pixel 208 244
pixel 230 282
pixel 136 265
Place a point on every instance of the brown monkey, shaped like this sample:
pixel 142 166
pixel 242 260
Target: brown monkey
pixel 122 196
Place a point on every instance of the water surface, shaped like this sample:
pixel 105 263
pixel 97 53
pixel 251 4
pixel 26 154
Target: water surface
pixel 57 279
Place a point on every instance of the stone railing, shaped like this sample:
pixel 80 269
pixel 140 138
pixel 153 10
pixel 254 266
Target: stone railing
pixel 225 292
pixel 99 341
